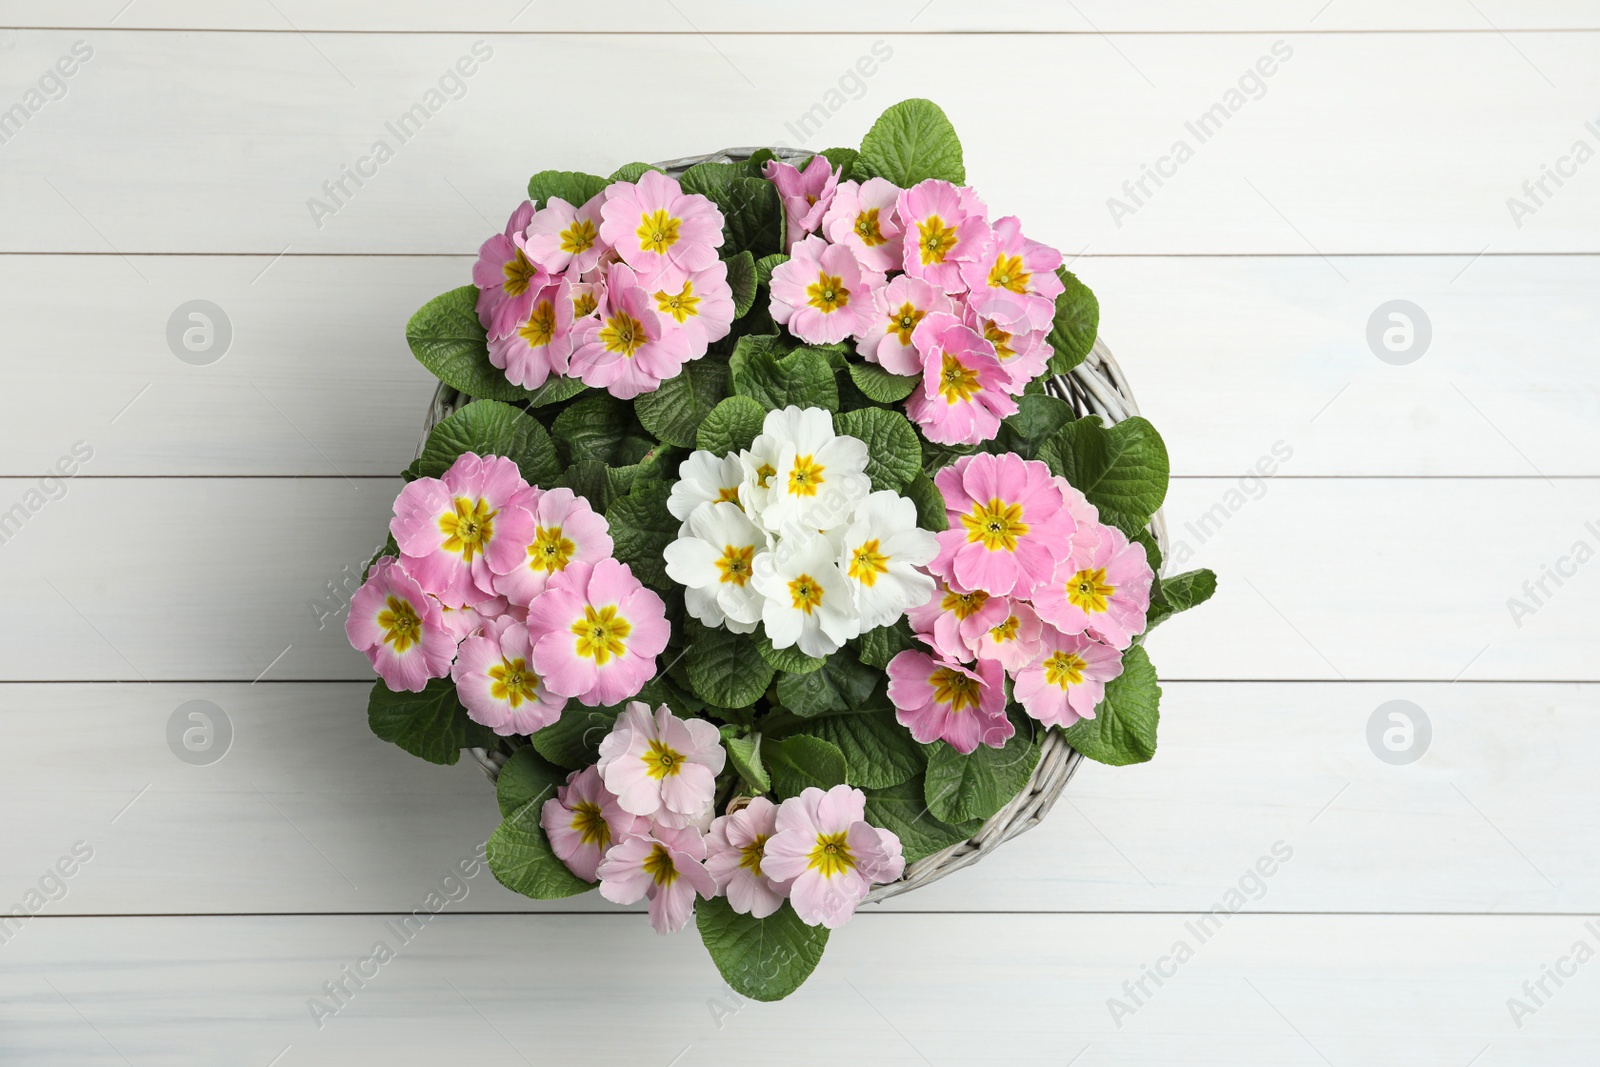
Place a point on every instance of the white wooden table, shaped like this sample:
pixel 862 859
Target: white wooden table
pixel 218 504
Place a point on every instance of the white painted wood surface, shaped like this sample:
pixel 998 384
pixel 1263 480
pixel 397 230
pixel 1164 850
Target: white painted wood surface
pixel 185 558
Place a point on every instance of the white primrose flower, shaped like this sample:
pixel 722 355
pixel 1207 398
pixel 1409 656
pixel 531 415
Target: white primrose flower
pixel 714 560
pixel 818 477
pixel 704 478
pixel 880 554
pixel 806 598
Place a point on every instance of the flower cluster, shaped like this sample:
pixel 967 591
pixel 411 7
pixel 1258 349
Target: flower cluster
pixel 789 534
pixel 924 284
pixel 642 821
pixel 1031 585
pixel 512 591
pixel 618 292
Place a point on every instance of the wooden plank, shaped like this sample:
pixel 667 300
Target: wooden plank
pixel 308 812
pixel 318 380
pixel 907 989
pixel 170 579
pixel 172 152
pixel 723 16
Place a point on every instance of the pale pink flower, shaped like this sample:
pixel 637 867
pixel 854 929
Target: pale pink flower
pixel 565 530
pixel 944 228
pixel 397 626
pixel 734 850
pixel 583 821
pixel 1015 280
pixel 821 292
pixel 660 230
pixel 1008 524
pixel 700 305
pixel 506 278
pixel 806 195
pixel 596 633
pixel 1103 588
pixel 667 866
pixel 562 237
pixel 830 854
pixel 497 683
pixel 1007 631
pixel 1024 354
pixel 863 218
pixel 457 532
pixel 965 391
pixel 941 700
pixel 898 308
pixel 1068 680
pixel 625 349
pixel 947 620
pixel 655 760
pixel 540 344
pixel 464 621
pixel 1085 516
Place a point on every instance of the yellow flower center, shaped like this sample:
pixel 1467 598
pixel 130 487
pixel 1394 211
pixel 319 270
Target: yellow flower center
pixel 806 593
pixel 540 329
pixel 1000 339
pixel 751 855
pixel 662 762
pixel 957 382
pixel 867 228
pixel 805 476
pixel 550 551
pixel 680 306
pixel 831 854
pixel 965 605
pixel 579 237
pixel 952 687
pixel 600 634
pixel 511 680
pixel 519 274
pixel 591 825
pixel 1006 631
pixel 657 231
pixel 658 865
pixel 728 494
pixel 1087 590
pixel 827 294
pixel 735 564
pixel 934 239
pixel 1007 273
pixel 764 472
pixel 622 333
pixel 1064 669
pixel 997 524
pixel 866 563
pixel 401 627
pixel 584 304
pixel 469 528
pixel 904 321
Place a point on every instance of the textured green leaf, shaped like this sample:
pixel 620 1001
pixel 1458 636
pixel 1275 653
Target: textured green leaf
pixel 724 668
pixel 675 411
pixel 742 280
pixel 879 385
pixel 842 158
pixel 520 857
pixel 931 512
pixel 731 426
pixel 1076 325
pixel 447 338
pixel 573 740
pixel 903 809
pixel 744 753
pixel 598 428
pixel 766 265
pixel 1122 470
pixel 1037 419
pixel 590 480
pixel 975 786
pixel 894 457
pixel 878 751
pixel 553 391
pixel 1180 592
pixel 752 216
pixel 911 142
pixel 789 659
pixel 575 187
pixel 641 529
pixel 843 684
pixel 490 428
pixel 763 959
pixel 936 457
pixel 880 645
pixel 526 776
pixel 1123 729
pixel 801 761
pixel 802 378
pixel 431 724
pixel 631 172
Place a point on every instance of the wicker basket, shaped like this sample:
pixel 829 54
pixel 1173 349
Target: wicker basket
pixel 1094 387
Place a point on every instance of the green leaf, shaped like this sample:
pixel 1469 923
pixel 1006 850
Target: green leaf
pixel 802 378
pixel 1122 470
pixel 553 391
pixel 931 512
pixel 447 338
pixel 911 142
pixel 723 667
pixel 1037 419
pixel 763 959
pixel 883 644
pixel 632 172
pixel 879 385
pixel 745 755
pixel 1077 323
pixel 766 265
pixel 757 162
pixel 752 215
pixel 936 457
pixel 1180 592
pixel 573 740
pixel 526 776
pixel 894 457
pixel 960 788
pixel 742 280
pixel 802 761
pixel 675 411
pixel 789 659
pixel 903 809
pixel 596 428
pixel 590 480
pixel 641 529
pixel 431 724
pixel 843 158
pixel 878 751
pixel 490 428
pixel 843 684
pixel 575 187
pixel 1123 729
pixel 519 855
pixel 731 426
